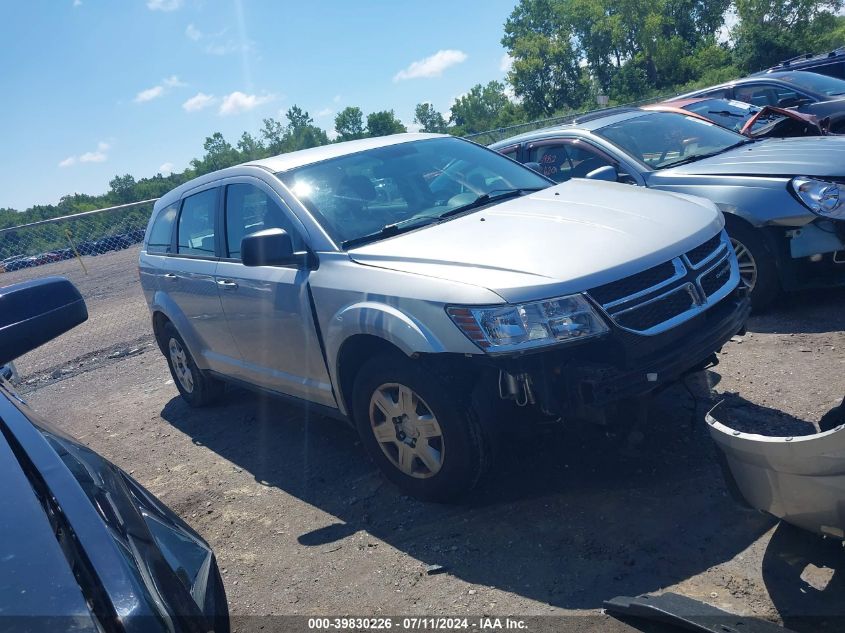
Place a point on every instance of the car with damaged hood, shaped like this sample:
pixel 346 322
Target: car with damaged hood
pixel 427 289
pixel 84 546
pixel 782 198
pixel 746 119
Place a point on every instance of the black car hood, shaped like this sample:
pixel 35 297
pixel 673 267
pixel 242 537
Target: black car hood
pixel 36 579
pixel 787 157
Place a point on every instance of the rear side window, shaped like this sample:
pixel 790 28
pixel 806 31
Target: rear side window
pixel 565 161
pixel 196 224
pixel 161 232
pixel 249 209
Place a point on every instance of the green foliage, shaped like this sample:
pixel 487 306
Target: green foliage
pixel 384 123
pixel 349 124
pixel 484 108
pixel 770 31
pixel 429 119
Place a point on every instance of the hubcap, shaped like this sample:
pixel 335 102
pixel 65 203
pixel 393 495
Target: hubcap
pixel 747 263
pixel 406 430
pixel 179 361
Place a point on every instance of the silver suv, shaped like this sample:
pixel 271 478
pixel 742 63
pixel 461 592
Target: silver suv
pixel 427 289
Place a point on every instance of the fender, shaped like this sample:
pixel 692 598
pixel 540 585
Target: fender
pixel 162 302
pixel 381 320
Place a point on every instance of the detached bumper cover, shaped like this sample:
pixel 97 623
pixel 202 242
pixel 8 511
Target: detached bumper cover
pixel 798 479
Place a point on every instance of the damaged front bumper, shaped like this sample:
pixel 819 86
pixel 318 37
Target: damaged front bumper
pixel 798 479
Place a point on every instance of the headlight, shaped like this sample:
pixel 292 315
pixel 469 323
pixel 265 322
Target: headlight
pixel 528 325
pixel 820 196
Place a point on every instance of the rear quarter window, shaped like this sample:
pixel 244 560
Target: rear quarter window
pixel 161 233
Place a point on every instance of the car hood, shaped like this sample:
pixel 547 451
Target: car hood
pixel 563 239
pixel 787 157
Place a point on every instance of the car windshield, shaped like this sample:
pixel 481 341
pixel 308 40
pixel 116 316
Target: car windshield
pixel 664 139
pixel 814 82
pixel 726 112
pixel 361 194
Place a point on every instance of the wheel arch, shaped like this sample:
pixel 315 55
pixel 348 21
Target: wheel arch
pixel 353 353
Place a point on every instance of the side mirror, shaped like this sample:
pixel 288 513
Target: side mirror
pixel 35 312
pixel 605 172
pixel 272 247
pixel 534 166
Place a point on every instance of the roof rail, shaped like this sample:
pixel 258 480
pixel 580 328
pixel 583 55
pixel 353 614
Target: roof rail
pixel 598 114
pixel 805 56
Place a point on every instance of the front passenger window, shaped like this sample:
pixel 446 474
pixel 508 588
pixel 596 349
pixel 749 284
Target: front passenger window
pixel 249 209
pixel 196 224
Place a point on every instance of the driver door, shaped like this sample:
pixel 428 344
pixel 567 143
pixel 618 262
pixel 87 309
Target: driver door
pixel 268 308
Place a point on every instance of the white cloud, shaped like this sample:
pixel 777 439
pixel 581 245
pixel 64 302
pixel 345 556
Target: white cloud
pixel 174 82
pixel 238 102
pixel 198 102
pixel 157 91
pixel 337 98
pixel 77 3
pixel 97 156
pixel 324 113
pixel 166 169
pixel 432 66
pixel 149 94
pixel 193 33
pixel 506 63
pixel 163 5
pixel 332 134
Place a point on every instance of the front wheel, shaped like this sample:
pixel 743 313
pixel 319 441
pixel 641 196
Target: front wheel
pixel 757 267
pixel 421 431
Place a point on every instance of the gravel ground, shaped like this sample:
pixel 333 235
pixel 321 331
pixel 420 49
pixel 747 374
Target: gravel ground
pixel 303 524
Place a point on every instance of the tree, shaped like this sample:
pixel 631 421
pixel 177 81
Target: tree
pixel 429 118
pixel 250 147
pixel 219 154
pixel 771 31
pixel 122 189
pixel 301 133
pixel 484 108
pixel 384 123
pixel 349 124
pixel 273 134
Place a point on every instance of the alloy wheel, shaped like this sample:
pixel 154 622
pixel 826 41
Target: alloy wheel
pixel 747 263
pixel 406 430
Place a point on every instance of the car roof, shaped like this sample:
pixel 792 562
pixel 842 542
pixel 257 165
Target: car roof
pixel 590 123
pixel 764 76
pixel 292 160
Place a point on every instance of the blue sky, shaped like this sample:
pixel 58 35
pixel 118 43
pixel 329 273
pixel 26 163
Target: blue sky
pixel 94 88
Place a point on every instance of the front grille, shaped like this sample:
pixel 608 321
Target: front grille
pixel 714 279
pixel 668 294
pixel 701 253
pixel 652 314
pixel 608 293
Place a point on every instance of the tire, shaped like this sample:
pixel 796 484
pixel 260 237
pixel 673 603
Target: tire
pixel 429 440
pixel 757 265
pixel 195 386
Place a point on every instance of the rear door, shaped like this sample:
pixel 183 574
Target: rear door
pixel 564 158
pixel 268 308
pixel 190 283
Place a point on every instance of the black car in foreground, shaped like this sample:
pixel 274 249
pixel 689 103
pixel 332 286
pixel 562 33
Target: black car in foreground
pixel 83 546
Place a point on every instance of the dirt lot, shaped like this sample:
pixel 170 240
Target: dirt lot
pixel 303 524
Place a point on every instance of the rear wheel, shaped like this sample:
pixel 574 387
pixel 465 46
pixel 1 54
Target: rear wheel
pixel 421 431
pixel 195 386
pixel 757 266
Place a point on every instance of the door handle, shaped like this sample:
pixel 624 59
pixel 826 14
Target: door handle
pixel 228 284
pixel 170 277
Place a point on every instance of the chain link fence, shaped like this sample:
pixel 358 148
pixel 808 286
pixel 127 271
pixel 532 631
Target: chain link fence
pixel 98 252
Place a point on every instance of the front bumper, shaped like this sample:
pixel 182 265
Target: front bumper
pixel 624 365
pixel 798 479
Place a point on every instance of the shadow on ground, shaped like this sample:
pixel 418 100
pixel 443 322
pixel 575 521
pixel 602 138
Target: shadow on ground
pixel 570 517
pixel 805 577
pixel 789 313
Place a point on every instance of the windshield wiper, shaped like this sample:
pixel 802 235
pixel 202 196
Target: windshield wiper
pixel 490 196
pixel 692 159
pixel 389 230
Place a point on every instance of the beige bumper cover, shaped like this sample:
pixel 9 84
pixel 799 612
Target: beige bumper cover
pixel 798 479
